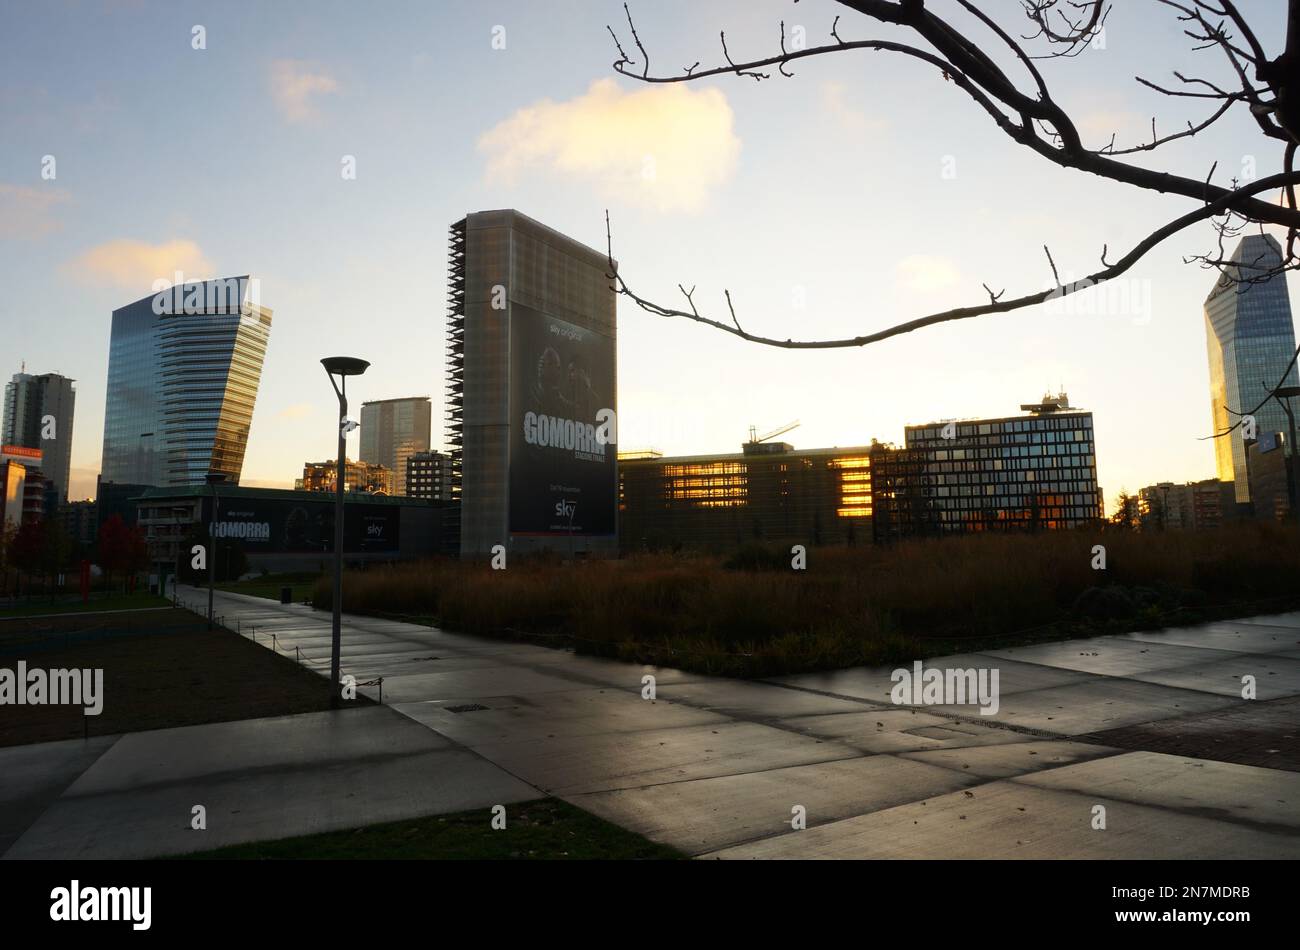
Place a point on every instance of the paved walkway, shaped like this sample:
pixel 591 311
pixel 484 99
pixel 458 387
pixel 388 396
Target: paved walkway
pixel 1149 726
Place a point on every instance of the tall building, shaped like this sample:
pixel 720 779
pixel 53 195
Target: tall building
pixel 1250 338
pixel 1030 472
pixel 38 413
pixel 392 430
pixel 428 475
pixel 532 388
pixel 184 366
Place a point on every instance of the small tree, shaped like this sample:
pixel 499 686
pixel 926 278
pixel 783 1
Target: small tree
pixel 1126 512
pixel 121 547
pixel 28 549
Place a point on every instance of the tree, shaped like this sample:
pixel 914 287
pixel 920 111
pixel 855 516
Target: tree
pixel 27 549
pixel 122 547
pixel 1126 511
pixel 965 56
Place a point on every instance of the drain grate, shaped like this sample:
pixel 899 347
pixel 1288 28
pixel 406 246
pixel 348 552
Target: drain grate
pixel 467 707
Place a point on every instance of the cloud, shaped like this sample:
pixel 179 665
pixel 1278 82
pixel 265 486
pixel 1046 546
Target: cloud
pixel 924 273
pixel 836 105
pixel 135 264
pixel 663 147
pixel 299 410
pixel 294 83
pixel 29 212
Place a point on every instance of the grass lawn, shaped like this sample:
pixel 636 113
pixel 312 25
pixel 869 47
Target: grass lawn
pixel 65 605
pixel 546 829
pixel 268 586
pixel 162 668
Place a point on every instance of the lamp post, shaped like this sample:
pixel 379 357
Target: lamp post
pixel 342 367
pixel 213 479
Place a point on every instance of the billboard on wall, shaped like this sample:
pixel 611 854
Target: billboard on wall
pixel 299 527
pixel 563 477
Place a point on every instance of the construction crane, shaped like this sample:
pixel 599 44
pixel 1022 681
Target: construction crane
pixel 755 438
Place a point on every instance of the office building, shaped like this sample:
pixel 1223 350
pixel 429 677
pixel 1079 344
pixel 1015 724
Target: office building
pixel 428 475
pixel 392 430
pixel 532 389
pixel 22 486
pixel 1032 472
pixel 183 373
pixel 767 492
pixel 357 477
pixel 38 414
pixel 1250 339
pixel 1270 483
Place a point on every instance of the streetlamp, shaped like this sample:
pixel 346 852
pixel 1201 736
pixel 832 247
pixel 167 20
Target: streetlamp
pixel 213 479
pixel 342 367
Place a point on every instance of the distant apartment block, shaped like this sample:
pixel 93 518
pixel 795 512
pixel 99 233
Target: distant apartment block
pixel 184 368
pixel 1194 506
pixel 1037 471
pixel 392 430
pixel 1250 340
pixel 38 414
pixel 357 477
pixel 428 475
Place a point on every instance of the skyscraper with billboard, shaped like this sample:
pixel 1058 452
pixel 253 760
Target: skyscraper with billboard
pixel 532 388
pixel 38 413
pixel 184 367
pixel 1250 338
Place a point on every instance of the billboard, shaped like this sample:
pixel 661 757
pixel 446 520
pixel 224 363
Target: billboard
pixel 563 477
pixel 300 527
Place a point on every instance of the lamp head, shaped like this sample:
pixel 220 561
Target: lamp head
pixel 344 365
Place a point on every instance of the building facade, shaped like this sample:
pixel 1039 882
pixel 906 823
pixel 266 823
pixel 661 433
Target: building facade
pixel 767 492
pixel 1250 340
pixel 183 373
pixel 357 477
pixel 38 414
pixel 428 475
pixel 532 389
pixel 1032 472
pixel 392 430
pixel 282 530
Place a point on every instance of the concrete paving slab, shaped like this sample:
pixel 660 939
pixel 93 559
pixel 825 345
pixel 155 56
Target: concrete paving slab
pixel 1010 759
pixel 1110 656
pixel 755 701
pixel 874 683
pixel 1234 636
pixel 1100 703
pixel 265 805
pixel 1276 677
pixel 1266 799
pixel 586 712
pixel 899 730
pixel 32 777
pixel 164 756
pixel 571 765
pixel 1015 820
pixel 260 779
pixel 470 684
pixel 712 813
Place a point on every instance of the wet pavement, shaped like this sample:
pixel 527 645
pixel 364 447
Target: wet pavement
pixel 1145 734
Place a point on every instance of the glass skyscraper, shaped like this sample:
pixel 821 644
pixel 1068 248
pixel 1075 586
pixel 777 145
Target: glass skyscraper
pixel 1250 339
pixel 393 430
pixel 183 370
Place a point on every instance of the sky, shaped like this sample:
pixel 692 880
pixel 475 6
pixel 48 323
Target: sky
pixel 214 140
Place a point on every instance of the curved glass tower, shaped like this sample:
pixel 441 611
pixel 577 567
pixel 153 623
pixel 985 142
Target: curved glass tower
pixel 183 370
pixel 1251 339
